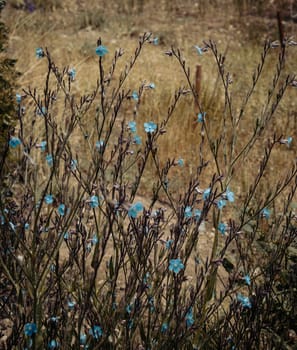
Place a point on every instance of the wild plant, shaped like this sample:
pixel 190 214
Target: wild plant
pixel 88 261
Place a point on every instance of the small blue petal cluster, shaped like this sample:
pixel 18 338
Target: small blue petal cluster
pixel 189 318
pixel 164 327
pixel 73 164
pixel 42 145
pixel 41 112
pixel 206 193
pixel 176 265
pixel 96 332
pixel 221 204
pixel 188 212
pixel 150 127
pixel 168 244
pixel 14 142
pixel 135 96
pixel 265 213
pixel 199 50
pixel 222 228
pixel 132 126
pixel 30 329
pixel 61 209
pixel 18 98
pixel 137 140
pixel 247 279
pixel 99 144
pixel 49 159
pixel 180 162
pixel 94 202
pixel 39 52
pixel 53 344
pixel 229 195
pixel 101 51
pixel 244 301
pixel 201 117
pixel 152 86
pixel 72 74
pixel 48 199
pixel 135 209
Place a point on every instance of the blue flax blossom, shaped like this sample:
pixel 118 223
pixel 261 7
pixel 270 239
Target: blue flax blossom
pixel 101 51
pixel 129 308
pixel 61 209
pixel 247 279
pixel 83 339
pixel 73 164
pixel 27 226
pixel 18 98
pixel 152 86
pixel 155 41
pixel 229 195
pixel 168 244
pixel 99 144
pixel 53 344
pixel 244 301
pixel 41 111
pixel 189 318
pixel 197 214
pixel 176 265
pixel 164 327
pixel 96 332
pixel 72 73
pixel 49 159
pixel 199 50
pixel 14 142
pixel 132 126
pixel 201 117
pixel 265 213
pixel 188 212
pixel 42 145
pixel 71 304
pixel 135 96
pixel 137 140
pixel 48 199
pixel 150 127
pixel 206 193
pixel 94 202
pixel 221 204
pixel 180 162
pixel 39 52
pixel 222 228
pixel 135 209
pixel 30 329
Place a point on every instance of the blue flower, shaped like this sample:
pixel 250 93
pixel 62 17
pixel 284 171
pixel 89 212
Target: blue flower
pixel 49 159
pixel 229 195
pixel 220 204
pixel 129 308
pixel 41 112
pixel 53 344
pixel 152 86
pixel 99 144
pixel 188 212
pixel 197 214
pixel 189 318
pixel 164 327
pixel 14 142
pixel 72 73
pixel 94 240
pixel 66 236
pixel 176 265
pixel 244 301
pixel 61 209
pixel 168 244
pixel 73 164
pixel 289 141
pixel 39 52
pixel 155 41
pixel 94 202
pixel 135 209
pixel 180 162
pixel 265 213
pixel 135 96
pixel 101 50
pixel 132 126
pixel 137 140
pixel 150 127
pixel 96 332
pixel 30 329
pixel 42 145
pixel 199 50
pixel 206 193
pixel 247 279
pixel 222 228
pixel 27 226
pixel 48 199
pixel 200 117
pixel 18 98
pixel 71 304
pixel 83 339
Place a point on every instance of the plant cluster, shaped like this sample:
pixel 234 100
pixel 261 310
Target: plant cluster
pixel 86 262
